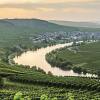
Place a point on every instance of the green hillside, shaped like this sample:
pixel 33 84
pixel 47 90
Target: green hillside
pixel 77 24
pixel 15 31
pixel 16 37
pixel 85 58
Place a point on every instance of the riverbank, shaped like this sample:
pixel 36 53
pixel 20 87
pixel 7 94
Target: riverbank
pixel 38 58
pixel 74 59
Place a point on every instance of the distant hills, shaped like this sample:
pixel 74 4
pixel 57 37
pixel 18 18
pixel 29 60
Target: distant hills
pixel 77 24
pixel 37 25
pixel 33 24
pixel 19 31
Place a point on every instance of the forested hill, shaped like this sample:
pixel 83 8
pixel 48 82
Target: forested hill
pixel 16 31
pixel 30 24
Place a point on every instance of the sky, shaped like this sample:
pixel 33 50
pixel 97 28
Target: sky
pixel 68 10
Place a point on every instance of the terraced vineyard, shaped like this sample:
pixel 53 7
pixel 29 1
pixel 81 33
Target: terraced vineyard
pixel 33 83
pixel 36 84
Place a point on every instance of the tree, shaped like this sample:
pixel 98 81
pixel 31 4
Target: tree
pixel 50 73
pixel 77 70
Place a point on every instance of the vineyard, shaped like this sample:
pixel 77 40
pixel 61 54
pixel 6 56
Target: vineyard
pixel 34 83
pixel 79 87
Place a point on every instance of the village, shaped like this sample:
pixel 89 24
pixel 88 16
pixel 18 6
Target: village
pixel 62 36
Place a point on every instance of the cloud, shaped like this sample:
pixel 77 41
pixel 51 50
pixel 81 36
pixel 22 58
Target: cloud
pixel 19 1
pixel 67 1
pixel 46 1
pixel 50 9
pixel 57 6
pixel 16 13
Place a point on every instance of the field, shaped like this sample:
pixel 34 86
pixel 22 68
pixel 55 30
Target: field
pixel 33 83
pixel 15 38
pixel 85 56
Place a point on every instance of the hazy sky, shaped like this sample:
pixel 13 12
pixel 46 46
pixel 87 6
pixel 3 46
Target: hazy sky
pixel 75 10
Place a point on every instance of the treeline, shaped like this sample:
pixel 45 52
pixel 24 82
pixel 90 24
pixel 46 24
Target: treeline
pixel 55 59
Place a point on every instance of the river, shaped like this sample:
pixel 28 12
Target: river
pixel 37 58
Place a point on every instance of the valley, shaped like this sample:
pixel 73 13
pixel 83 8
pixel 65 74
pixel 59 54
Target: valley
pixel 18 36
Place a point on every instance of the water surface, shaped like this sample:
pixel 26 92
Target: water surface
pixel 37 58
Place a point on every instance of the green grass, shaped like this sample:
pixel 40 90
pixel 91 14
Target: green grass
pixel 87 56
